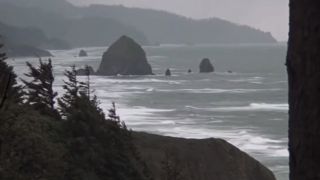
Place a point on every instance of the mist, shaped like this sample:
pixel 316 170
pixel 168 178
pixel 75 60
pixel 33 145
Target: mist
pixel 270 16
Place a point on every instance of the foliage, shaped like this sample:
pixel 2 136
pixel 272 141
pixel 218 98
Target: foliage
pixel 9 90
pixel 30 146
pixel 71 92
pixel 84 145
pixel 99 147
pixel 40 93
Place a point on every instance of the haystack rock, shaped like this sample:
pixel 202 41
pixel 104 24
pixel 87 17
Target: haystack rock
pixel 206 66
pixel 124 57
pixel 83 53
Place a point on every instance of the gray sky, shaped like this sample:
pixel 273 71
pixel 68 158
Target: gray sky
pixel 266 15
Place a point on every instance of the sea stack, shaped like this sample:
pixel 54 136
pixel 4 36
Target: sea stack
pixel 206 66
pixel 83 53
pixel 124 57
pixel 87 70
pixel 168 72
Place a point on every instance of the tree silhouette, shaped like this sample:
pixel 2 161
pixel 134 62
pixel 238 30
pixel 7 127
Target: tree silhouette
pixel 303 66
pixel 9 90
pixel 71 86
pixel 40 93
pixel 5 78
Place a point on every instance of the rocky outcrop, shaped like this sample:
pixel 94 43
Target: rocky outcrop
pixel 206 66
pixel 303 66
pixel 84 71
pixel 205 159
pixel 83 53
pixel 168 72
pixel 124 57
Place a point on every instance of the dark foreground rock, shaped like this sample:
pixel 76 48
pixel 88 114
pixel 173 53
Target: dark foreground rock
pixel 206 66
pixel 124 57
pixel 206 159
pixel 84 71
pixel 83 53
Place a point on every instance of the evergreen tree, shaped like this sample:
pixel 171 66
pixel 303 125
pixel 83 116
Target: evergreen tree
pixel 85 86
pixel 71 87
pixel 9 90
pixel 113 113
pixel 86 145
pixel 32 146
pixel 40 93
pixel 98 147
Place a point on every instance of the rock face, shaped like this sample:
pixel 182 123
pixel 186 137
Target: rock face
pixel 206 66
pixel 303 66
pixel 205 159
pixel 168 72
pixel 83 53
pixel 84 71
pixel 124 57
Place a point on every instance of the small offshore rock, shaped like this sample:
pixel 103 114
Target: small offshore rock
pixel 168 72
pixel 83 53
pixel 84 71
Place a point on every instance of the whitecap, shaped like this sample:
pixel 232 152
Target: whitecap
pixel 120 80
pixel 149 89
pixel 270 106
pixel 168 122
pixel 280 153
pixel 217 91
pixel 250 107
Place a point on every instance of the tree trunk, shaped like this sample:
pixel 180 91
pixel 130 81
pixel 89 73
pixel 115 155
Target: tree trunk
pixel 303 65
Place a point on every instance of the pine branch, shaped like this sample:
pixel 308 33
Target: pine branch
pixel 6 91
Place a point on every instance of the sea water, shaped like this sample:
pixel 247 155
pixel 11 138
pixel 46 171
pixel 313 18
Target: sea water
pixel 246 106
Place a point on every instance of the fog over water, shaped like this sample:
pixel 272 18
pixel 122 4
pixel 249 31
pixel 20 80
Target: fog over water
pixel 270 15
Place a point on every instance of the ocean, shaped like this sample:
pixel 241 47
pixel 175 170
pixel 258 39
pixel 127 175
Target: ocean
pixel 247 107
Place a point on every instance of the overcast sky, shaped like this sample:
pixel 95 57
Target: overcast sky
pixel 267 15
